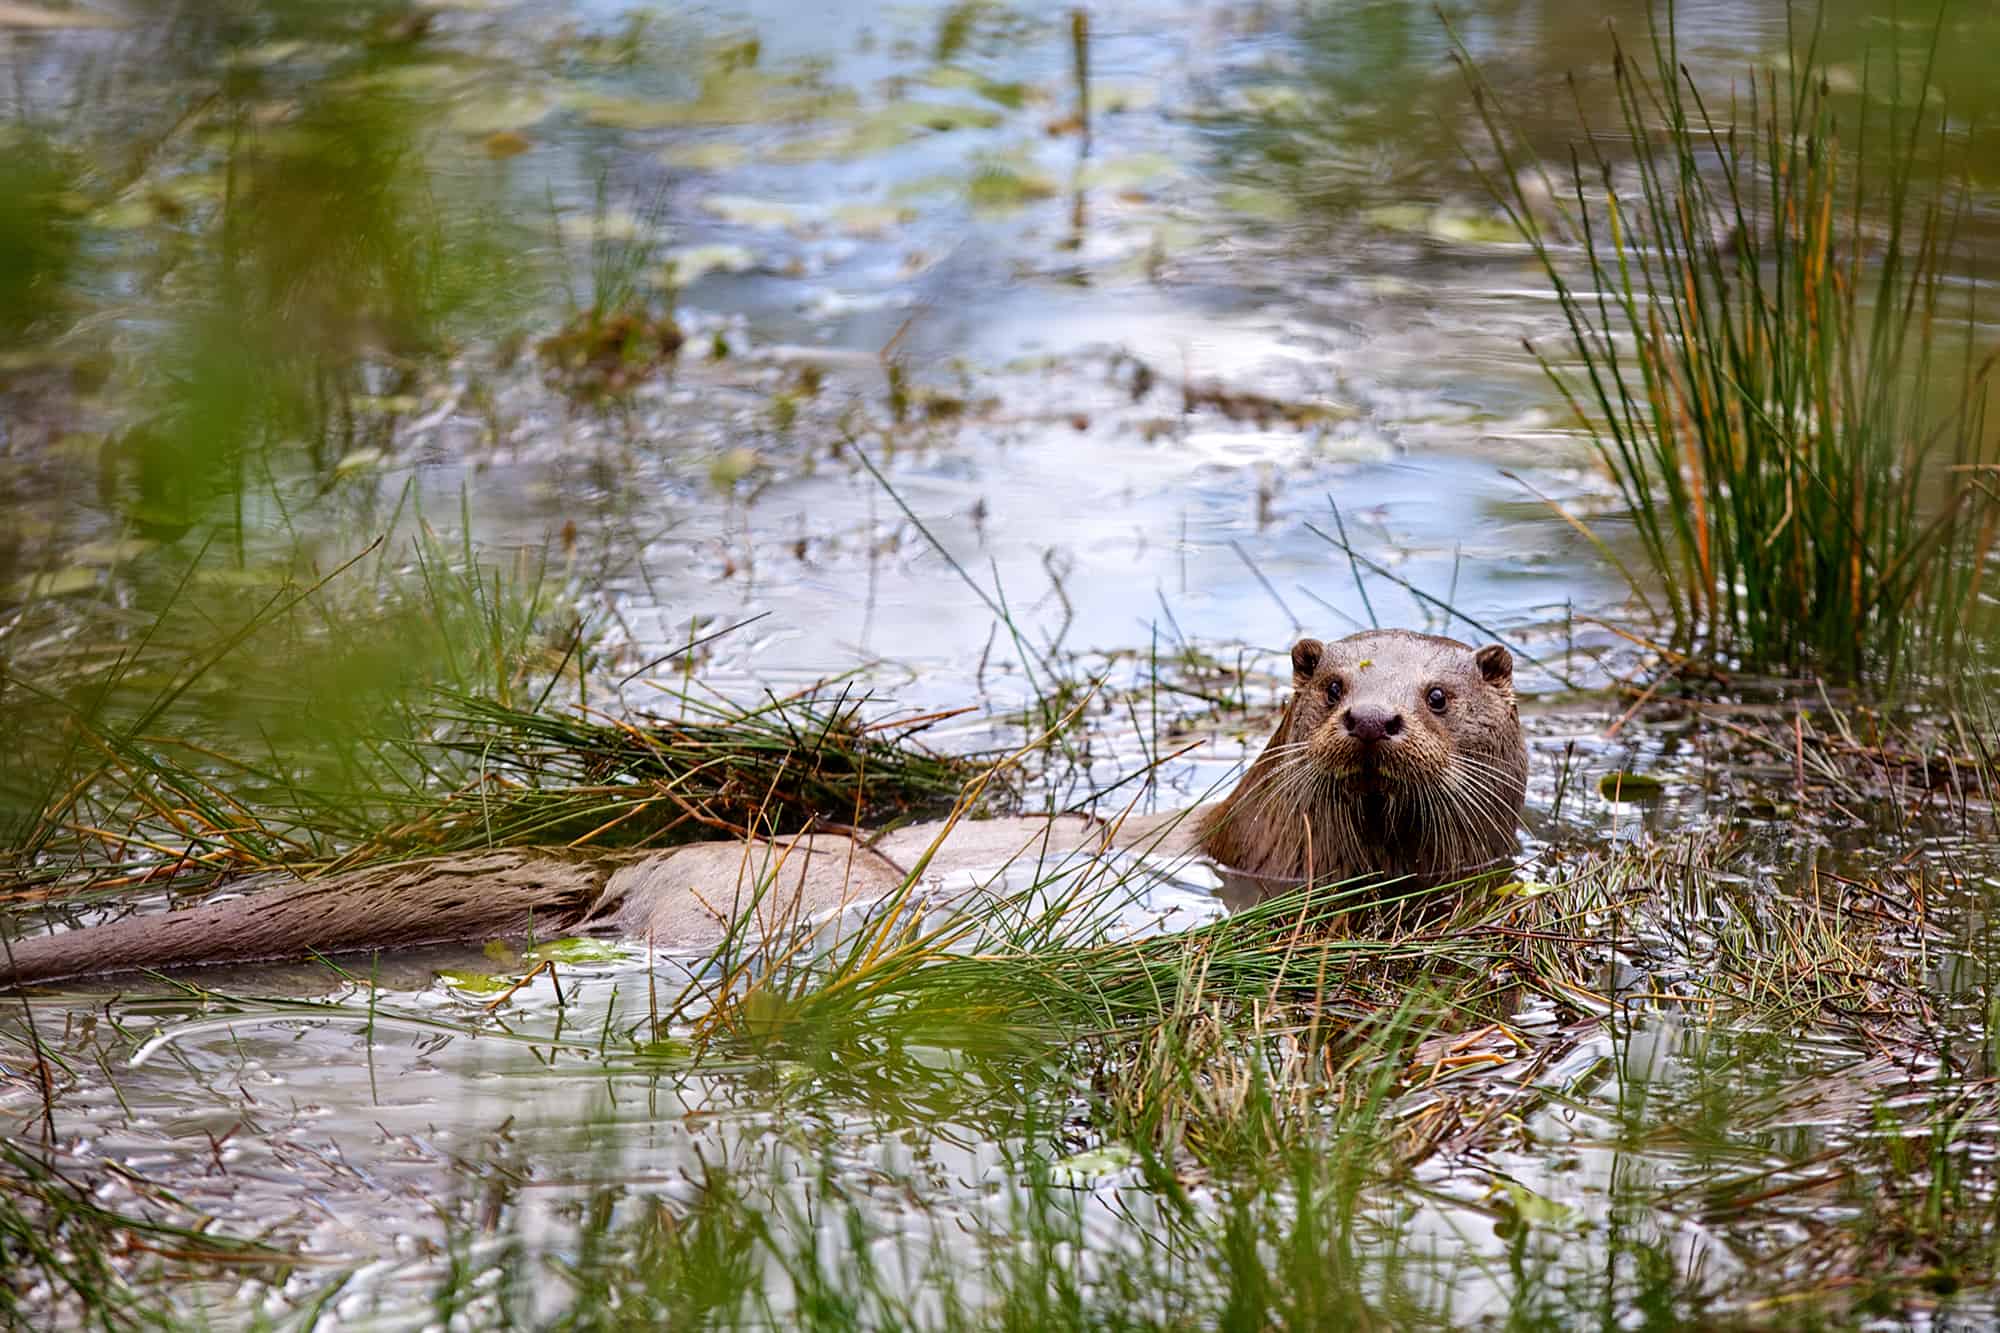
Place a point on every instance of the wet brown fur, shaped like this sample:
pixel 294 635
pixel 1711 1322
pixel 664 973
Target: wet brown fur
pixel 435 900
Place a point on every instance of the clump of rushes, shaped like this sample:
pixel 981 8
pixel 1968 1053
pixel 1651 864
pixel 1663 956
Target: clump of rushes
pixel 492 774
pixel 1764 343
pixel 625 334
pixel 716 769
pixel 411 716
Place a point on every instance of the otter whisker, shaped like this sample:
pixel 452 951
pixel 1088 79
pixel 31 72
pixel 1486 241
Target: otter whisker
pixel 1477 811
pixel 1453 842
pixel 1468 802
pixel 1307 777
pixel 1269 781
pixel 1486 767
pixel 1490 796
pixel 1483 763
pixel 1487 793
pixel 1271 786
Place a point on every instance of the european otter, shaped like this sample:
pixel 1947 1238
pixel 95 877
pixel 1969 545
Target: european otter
pixel 1398 755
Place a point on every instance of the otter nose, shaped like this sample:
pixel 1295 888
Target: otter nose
pixel 1370 722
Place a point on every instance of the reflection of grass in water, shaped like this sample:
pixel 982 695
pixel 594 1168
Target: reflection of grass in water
pixel 38 233
pixel 1768 361
pixel 98 1259
pixel 280 254
pixel 795 1236
pixel 1237 1170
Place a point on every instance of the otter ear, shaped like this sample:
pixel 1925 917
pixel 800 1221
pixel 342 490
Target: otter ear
pixel 1496 664
pixel 1305 659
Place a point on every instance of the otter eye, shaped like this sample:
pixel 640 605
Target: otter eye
pixel 1334 691
pixel 1436 699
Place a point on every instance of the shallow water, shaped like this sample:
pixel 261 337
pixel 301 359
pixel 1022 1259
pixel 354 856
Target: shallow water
pixel 1270 202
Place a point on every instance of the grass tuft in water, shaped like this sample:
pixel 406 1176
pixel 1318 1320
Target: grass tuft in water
pixel 339 722
pixel 1775 357
pixel 716 769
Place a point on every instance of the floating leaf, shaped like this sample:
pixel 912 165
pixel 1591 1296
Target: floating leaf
pixel 690 263
pixel 1113 96
pixel 56 583
pixel 1531 1209
pixel 512 110
pixel 1010 95
pixel 1280 101
pixel 1128 173
pixel 578 951
pixel 473 983
pixel 1081 1169
pixel 626 113
pixel 1456 225
pixel 715 156
pixel 764 214
pixel 427 76
pixel 1399 217
pixel 1464 228
pixel 998 188
pixel 738 97
pixel 612 224
pixel 871 219
pixel 890 127
pixel 1257 202
pixel 1629 787
pixel 1171 238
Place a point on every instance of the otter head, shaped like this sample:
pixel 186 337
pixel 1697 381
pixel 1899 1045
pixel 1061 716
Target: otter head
pixel 1393 713
pixel 1399 754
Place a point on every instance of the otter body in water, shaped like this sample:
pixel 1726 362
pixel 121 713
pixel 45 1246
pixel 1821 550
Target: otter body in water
pixel 1399 755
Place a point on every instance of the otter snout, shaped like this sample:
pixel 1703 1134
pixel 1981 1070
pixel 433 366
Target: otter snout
pixel 1371 722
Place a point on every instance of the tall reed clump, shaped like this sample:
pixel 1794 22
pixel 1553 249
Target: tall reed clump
pixel 1774 357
